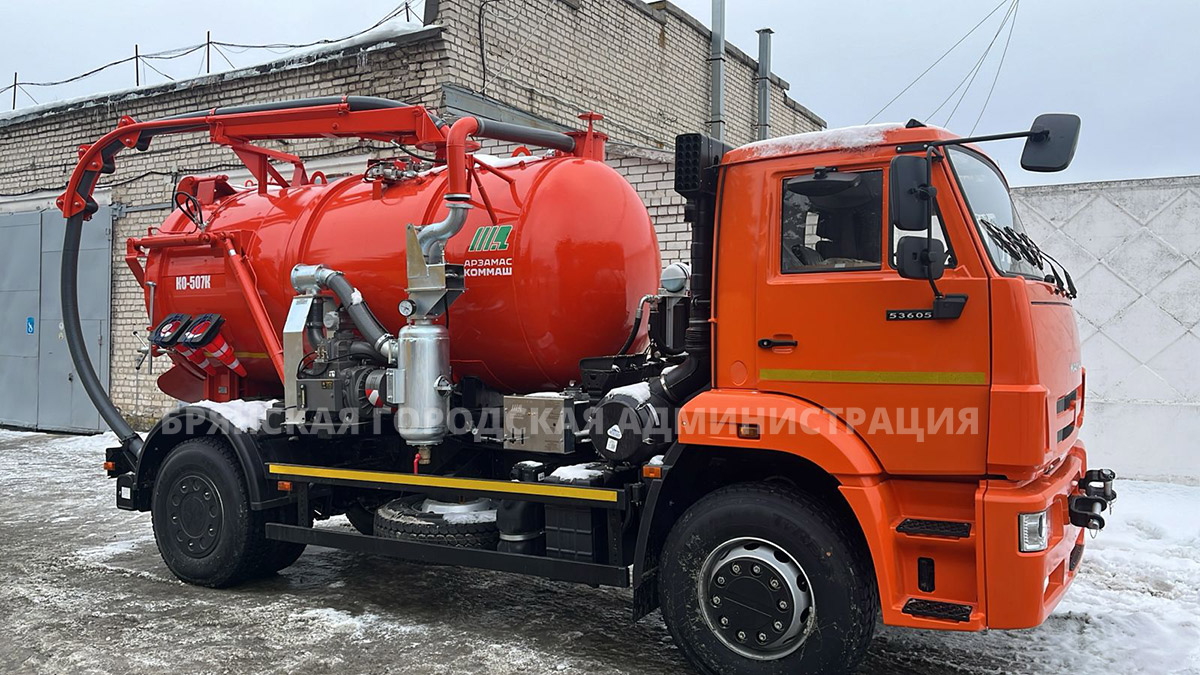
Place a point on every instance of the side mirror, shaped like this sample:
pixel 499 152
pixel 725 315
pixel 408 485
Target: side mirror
pixel 920 258
pixel 909 194
pixel 1051 147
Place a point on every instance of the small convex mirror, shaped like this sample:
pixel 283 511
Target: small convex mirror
pixel 1051 145
pixel 920 258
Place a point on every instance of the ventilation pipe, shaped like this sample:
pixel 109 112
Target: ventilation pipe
pixel 763 82
pixel 716 62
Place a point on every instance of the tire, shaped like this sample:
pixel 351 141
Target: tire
pixel 205 531
pixel 744 536
pixel 403 519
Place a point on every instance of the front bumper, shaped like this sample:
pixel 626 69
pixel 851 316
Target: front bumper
pixel 1023 588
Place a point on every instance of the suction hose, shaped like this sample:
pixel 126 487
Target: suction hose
pixel 131 443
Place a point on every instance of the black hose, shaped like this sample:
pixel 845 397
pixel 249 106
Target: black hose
pixel 130 441
pixel 637 324
pixel 356 104
pixel 359 313
pixel 515 133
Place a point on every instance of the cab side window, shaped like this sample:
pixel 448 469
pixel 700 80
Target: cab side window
pixel 832 226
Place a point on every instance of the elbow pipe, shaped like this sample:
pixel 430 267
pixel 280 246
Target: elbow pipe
pixel 467 127
pixel 434 236
pixel 308 278
pixel 131 442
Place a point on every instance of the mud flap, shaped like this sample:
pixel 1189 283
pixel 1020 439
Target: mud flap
pixel 645 595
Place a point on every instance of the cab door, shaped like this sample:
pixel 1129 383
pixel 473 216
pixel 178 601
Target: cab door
pixel 834 324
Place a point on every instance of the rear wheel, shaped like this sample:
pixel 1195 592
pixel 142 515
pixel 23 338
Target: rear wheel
pixel 761 578
pixel 205 531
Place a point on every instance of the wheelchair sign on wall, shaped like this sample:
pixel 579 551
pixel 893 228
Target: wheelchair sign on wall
pixel 29 325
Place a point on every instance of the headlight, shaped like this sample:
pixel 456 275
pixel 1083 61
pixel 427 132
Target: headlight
pixel 1034 532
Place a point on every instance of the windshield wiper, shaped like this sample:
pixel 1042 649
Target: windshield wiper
pixel 1071 291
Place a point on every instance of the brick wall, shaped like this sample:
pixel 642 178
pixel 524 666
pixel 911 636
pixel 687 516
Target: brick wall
pixel 1133 248
pixel 643 66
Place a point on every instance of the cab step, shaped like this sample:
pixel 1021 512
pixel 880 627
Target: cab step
pixel 933 609
pixel 934 528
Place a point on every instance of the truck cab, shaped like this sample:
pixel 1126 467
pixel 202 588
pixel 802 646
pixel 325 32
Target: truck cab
pixel 953 436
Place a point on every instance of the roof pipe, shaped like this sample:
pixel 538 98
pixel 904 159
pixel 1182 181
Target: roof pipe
pixel 763 82
pixel 716 63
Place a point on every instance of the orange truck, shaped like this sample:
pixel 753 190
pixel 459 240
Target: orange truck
pixel 861 399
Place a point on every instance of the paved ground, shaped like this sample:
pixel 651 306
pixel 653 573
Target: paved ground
pixel 82 589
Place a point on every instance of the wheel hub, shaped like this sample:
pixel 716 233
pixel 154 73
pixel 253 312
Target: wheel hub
pixel 194 515
pixel 755 598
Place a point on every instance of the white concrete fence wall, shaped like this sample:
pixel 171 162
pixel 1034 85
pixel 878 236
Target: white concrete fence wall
pixel 1133 248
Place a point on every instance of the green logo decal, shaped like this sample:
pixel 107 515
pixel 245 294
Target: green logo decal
pixel 490 238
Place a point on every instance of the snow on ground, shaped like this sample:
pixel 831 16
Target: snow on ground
pixel 82 589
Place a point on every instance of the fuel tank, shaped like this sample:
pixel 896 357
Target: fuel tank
pixel 554 279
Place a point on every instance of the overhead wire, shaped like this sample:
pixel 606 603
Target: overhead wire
pixel 939 60
pixel 969 78
pixel 1012 27
pixel 179 52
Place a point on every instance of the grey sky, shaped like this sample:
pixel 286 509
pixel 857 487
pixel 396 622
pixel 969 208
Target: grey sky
pixel 1130 70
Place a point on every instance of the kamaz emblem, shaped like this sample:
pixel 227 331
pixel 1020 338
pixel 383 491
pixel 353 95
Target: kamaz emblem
pixel 490 238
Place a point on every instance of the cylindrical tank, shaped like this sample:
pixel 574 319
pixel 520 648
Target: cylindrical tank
pixel 555 279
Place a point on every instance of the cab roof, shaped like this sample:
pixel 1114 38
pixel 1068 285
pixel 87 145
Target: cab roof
pixel 844 139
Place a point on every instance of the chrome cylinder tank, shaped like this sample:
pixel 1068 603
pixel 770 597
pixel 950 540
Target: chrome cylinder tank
pixel 424 367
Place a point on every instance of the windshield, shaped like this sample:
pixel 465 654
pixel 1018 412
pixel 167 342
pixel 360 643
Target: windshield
pixel 994 212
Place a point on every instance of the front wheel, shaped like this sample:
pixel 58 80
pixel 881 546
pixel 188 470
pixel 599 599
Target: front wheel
pixel 203 524
pixel 762 578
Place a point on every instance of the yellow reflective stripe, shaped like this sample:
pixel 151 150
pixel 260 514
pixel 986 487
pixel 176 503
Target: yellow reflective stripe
pixel 251 355
pixel 512 487
pixel 873 376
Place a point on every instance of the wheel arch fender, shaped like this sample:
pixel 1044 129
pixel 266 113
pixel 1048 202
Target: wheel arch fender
pixel 191 422
pixel 818 453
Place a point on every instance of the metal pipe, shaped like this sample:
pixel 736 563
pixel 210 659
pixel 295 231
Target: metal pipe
pixel 763 81
pixel 716 62
pixel 310 278
pixel 434 234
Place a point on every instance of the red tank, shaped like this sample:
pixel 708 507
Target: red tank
pixel 556 279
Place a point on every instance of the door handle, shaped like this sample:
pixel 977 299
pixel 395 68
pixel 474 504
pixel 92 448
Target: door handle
pixel 769 343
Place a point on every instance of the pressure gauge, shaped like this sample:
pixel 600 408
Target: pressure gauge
pixel 406 308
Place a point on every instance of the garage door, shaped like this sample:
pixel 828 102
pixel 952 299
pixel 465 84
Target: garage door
pixel 40 387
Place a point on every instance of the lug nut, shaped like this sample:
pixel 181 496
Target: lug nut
pixel 725 621
pixel 720 581
pixel 774 584
pixel 716 600
pixel 756 570
pixel 778 625
pixel 783 605
pixel 762 638
pixel 741 636
pixel 737 569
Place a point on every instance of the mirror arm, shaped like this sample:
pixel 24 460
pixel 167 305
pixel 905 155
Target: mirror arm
pixel 928 195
